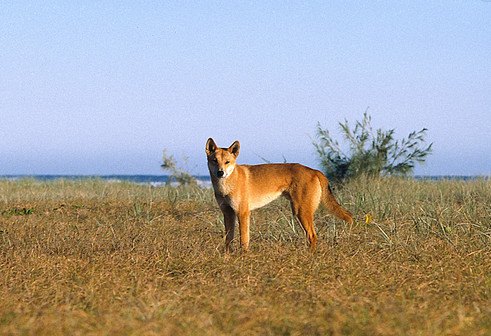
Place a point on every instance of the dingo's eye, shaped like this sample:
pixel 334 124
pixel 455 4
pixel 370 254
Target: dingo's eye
pixel 215 160
pixel 227 162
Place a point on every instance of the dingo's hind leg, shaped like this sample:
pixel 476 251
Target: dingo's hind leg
pixel 306 218
pixel 304 201
pixel 305 215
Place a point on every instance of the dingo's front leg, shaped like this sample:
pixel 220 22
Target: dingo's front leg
pixel 244 219
pixel 229 219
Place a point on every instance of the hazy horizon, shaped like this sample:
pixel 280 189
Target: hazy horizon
pixel 103 88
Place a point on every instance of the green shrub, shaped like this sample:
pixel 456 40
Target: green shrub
pixel 369 152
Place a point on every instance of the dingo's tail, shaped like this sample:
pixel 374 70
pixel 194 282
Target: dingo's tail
pixel 330 202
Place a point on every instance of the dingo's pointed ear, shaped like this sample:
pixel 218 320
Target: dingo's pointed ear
pixel 234 148
pixel 211 147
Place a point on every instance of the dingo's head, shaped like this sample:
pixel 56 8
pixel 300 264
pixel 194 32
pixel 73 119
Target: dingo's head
pixel 221 161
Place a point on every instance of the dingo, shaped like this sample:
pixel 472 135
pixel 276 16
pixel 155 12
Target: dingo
pixel 242 188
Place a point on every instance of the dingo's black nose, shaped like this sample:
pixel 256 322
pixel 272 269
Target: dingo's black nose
pixel 220 173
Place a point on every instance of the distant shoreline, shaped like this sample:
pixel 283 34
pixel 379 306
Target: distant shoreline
pixel 154 180
pixel 157 180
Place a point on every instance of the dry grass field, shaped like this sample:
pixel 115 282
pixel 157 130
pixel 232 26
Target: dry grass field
pixel 97 258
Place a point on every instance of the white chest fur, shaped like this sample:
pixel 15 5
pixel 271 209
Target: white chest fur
pixel 222 188
pixel 223 191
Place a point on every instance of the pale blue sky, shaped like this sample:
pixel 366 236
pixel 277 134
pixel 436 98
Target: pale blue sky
pixel 101 87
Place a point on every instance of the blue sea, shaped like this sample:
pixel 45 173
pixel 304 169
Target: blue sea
pixel 157 180
pixel 154 180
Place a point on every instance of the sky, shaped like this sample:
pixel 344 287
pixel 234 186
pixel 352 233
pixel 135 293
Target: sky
pixel 102 87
